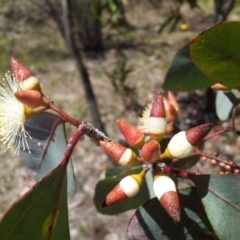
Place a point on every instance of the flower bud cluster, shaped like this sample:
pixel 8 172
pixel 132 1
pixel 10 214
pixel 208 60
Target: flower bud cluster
pixel 147 139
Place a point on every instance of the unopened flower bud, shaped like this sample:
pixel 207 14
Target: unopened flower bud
pixel 151 151
pixel 171 113
pixel 121 155
pixel 183 143
pixel 127 188
pixel 165 190
pixel 172 101
pixel 24 76
pixel 157 123
pixel 133 136
pixel 218 86
pixel 30 98
pixel 19 70
pixel 170 129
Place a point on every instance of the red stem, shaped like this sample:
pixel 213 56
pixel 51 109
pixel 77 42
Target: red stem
pixel 177 172
pixel 65 116
pixel 72 143
pixel 217 133
pixel 210 156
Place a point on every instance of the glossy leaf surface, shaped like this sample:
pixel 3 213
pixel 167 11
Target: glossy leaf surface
pixel 152 222
pixel 120 171
pixel 183 74
pixel 217 54
pixel 220 195
pixel 41 213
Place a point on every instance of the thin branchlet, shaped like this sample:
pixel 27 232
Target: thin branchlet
pixel 94 134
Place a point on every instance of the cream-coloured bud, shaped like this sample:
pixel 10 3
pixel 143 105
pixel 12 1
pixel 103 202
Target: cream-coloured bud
pixel 130 186
pixel 127 188
pixel 166 192
pixel 30 83
pixel 179 147
pixel 163 184
pixel 122 155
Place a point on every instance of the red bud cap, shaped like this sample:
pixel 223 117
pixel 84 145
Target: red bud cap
pixel 127 188
pixel 196 134
pixel 121 155
pixel 133 136
pixel 19 70
pixel 29 98
pixel 115 196
pixel 151 151
pixel 158 109
pixel 165 190
pixel 157 123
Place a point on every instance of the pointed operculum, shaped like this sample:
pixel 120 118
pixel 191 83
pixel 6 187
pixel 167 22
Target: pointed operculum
pixel 121 155
pixel 171 113
pixel 127 188
pixel 165 190
pixel 158 109
pixel 157 119
pixel 29 98
pixel 24 76
pixel 133 136
pixel 151 151
pixel 19 70
pixel 196 134
pixel 172 100
pixel 219 86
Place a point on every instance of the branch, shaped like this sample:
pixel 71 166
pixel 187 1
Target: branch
pixel 218 159
pixel 72 143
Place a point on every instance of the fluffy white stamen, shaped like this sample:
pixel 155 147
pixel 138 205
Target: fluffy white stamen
pixel 12 115
pixel 143 121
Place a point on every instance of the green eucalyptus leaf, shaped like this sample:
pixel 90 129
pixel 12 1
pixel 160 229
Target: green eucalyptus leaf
pixel 41 213
pixel 53 155
pixel 47 144
pixel 39 128
pixel 217 54
pixel 151 221
pixel 220 196
pixel 183 74
pixel 121 171
pixel 223 106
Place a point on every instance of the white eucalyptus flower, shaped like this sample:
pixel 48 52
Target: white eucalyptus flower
pixel 13 115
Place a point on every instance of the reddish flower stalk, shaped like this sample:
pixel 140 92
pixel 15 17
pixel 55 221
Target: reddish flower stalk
pixel 176 172
pixel 65 116
pixel 72 143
